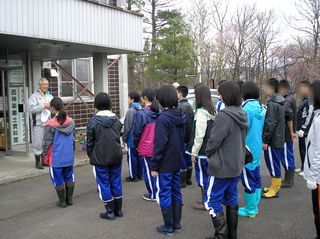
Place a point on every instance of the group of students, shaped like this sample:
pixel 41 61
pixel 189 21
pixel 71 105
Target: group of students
pixel 165 137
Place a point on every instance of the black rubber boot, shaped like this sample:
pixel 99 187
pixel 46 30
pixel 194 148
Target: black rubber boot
pixel 220 226
pixel 38 162
pixel 62 197
pixel 118 207
pixel 167 228
pixel 183 178
pixel 109 214
pixel 177 212
pixel 288 181
pixel 69 193
pixel 232 221
pixel 317 224
pixel 189 176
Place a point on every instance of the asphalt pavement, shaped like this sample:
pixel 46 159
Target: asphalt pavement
pixel 27 210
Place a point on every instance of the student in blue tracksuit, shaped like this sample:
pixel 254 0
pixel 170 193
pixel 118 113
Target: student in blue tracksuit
pixel 135 163
pixel 167 160
pixel 226 153
pixel 58 146
pixel 143 138
pixel 184 105
pixel 203 121
pixel 251 178
pixel 104 151
pixel 291 127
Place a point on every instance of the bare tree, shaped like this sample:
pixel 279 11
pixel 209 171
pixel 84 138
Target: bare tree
pixel 243 25
pixel 308 21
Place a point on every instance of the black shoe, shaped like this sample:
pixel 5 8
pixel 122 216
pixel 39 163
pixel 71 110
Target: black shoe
pixel 167 228
pixel 38 162
pixel 189 176
pixel 118 207
pixel 62 197
pixel 69 193
pixel 183 178
pixel 220 226
pixel 232 221
pixel 109 214
pixel 147 197
pixel 131 180
pixel 177 211
pixel 288 181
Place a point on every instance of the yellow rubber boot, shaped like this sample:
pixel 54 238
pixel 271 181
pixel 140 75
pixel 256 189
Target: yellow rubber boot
pixel 266 189
pixel 274 188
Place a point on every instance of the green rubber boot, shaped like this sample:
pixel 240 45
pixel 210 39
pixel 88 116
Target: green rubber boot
pixel 250 209
pixel 258 199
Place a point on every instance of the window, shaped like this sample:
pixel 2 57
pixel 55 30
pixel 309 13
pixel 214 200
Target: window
pixel 81 69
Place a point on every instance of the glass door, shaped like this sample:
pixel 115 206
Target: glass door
pixel 14 122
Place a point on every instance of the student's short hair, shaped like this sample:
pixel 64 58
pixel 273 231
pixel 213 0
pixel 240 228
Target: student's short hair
pixel 167 96
pixel 149 93
pixel 102 101
pixel 274 83
pixel 230 93
pixel 315 86
pixel 220 82
pixel 250 90
pixel 135 96
pixel 284 84
pixel 305 82
pixel 183 90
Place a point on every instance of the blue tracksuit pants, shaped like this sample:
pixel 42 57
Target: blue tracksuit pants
pixel 135 163
pixel 109 185
pixel 61 175
pixel 201 169
pixel 273 158
pixel 169 190
pixel 148 179
pixel 221 191
pixel 187 159
pixel 288 156
pixel 251 179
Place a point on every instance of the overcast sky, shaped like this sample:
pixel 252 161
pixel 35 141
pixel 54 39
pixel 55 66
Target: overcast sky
pixel 281 7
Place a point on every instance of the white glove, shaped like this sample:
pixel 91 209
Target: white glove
pixel 300 133
pixel 311 185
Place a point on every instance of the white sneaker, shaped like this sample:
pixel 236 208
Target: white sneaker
pixel 301 174
pixel 298 170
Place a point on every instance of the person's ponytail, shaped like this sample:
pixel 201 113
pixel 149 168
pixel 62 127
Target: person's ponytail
pixel 62 117
pixel 154 106
pixel 57 104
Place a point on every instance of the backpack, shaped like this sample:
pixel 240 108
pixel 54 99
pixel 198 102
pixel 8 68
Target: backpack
pixel 145 147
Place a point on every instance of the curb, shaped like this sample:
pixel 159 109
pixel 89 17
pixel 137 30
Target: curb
pixel 7 180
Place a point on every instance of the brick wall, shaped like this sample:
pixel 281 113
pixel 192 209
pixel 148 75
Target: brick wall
pixel 79 111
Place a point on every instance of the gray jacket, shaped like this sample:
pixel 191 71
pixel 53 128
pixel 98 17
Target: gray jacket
pixel 36 106
pixel 226 146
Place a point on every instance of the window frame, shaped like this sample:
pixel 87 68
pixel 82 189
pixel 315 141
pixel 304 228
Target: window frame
pixel 86 98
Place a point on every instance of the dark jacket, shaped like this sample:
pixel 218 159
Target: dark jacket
pixel 58 142
pixel 303 112
pixel 169 142
pixel 143 118
pixel 226 147
pixel 291 115
pixel 186 108
pixel 274 124
pixel 103 139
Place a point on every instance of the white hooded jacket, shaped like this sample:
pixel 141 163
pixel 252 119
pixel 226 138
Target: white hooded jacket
pixel 312 160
